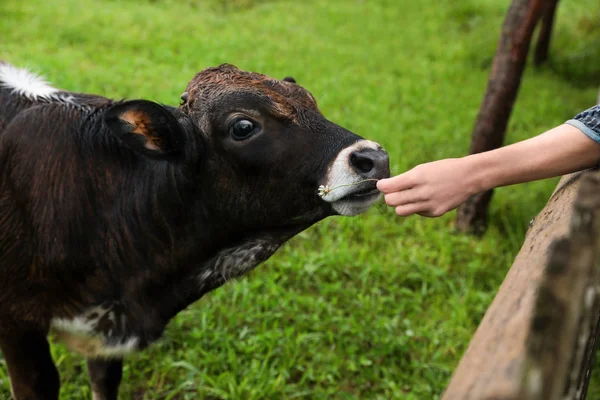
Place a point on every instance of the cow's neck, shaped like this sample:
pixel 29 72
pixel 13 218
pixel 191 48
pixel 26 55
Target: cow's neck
pixel 154 303
pixel 235 258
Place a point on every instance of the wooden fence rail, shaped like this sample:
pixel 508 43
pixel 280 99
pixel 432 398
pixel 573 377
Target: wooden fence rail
pixel 537 340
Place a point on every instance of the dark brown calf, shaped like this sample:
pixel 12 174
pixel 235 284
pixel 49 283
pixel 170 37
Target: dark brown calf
pixel 115 216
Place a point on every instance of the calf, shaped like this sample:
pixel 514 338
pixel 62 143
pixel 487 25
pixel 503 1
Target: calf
pixel 116 215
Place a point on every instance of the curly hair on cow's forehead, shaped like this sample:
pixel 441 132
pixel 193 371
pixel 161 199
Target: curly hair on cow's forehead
pixel 227 78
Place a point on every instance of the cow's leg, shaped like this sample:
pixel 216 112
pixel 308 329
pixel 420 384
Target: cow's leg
pixel 33 375
pixel 105 377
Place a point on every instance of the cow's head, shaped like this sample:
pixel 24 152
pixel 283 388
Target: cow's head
pixel 265 149
pixel 269 145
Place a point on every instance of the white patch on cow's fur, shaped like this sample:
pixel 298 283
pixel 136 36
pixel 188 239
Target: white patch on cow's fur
pixel 22 82
pixel 341 173
pixel 236 261
pixel 81 334
pixel 75 326
pixel 25 83
pixel 118 350
pixel 206 275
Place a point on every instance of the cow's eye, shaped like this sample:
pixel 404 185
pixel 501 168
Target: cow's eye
pixel 242 129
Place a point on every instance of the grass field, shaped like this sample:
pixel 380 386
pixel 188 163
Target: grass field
pixel 373 307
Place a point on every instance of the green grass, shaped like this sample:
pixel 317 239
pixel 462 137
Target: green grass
pixel 373 307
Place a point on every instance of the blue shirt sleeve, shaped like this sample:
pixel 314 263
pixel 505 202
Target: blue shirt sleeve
pixel 588 122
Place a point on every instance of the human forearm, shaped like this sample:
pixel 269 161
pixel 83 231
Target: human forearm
pixel 434 188
pixel 559 151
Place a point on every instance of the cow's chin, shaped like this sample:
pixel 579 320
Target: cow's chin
pixel 356 203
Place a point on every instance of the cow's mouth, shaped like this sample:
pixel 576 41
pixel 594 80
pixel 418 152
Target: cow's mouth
pixel 362 194
pixel 356 199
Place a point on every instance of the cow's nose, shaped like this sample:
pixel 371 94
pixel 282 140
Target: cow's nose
pixel 371 163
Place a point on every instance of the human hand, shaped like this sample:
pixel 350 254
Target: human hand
pixel 430 189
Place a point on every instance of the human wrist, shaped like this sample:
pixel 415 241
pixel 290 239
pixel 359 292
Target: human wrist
pixel 479 176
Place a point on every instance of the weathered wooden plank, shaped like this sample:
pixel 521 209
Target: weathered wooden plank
pixel 538 335
pixel 565 314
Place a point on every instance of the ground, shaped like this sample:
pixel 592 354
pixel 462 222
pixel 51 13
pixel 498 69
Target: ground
pixel 372 307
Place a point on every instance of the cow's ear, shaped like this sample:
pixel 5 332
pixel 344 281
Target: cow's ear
pixel 147 127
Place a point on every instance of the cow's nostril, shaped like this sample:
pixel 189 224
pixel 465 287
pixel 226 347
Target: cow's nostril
pixel 362 161
pixel 370 163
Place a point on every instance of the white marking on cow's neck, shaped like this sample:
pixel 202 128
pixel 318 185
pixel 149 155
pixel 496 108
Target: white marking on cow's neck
pixel 235 261
pixel 25 83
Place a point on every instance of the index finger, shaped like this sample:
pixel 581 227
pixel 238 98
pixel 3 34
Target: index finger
pixel 395 183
